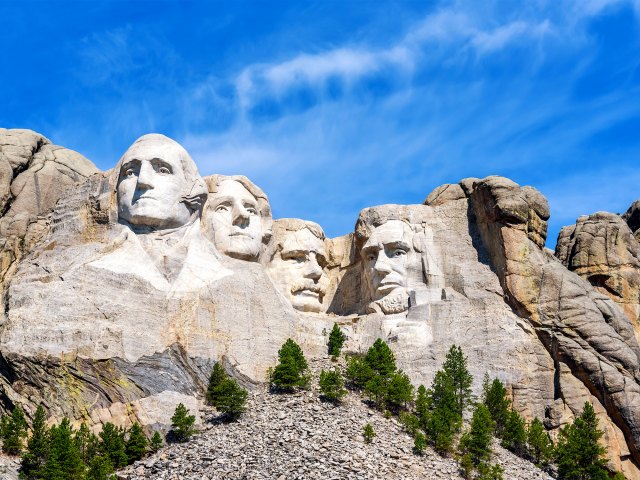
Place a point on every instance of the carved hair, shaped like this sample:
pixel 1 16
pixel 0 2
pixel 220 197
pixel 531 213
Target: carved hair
pixel 196 195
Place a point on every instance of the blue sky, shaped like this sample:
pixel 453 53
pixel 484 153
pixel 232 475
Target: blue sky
pixel 332 106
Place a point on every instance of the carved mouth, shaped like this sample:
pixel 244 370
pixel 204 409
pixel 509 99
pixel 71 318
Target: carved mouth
pixel 308 290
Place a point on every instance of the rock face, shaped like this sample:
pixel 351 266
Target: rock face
pixel 34 175
pixel 148 273
pixel 603 248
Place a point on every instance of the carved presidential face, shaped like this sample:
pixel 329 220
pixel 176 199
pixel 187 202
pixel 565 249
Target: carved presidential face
pixel 385 258
pixel 151 187
pixel 235 221
pixel 297 269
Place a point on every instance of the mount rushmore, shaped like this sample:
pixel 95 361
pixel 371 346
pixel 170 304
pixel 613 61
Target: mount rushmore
pixel 122 288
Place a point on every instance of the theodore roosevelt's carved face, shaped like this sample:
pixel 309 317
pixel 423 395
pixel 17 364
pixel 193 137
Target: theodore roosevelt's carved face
pixel 297 268
pixel 152 185
pixel 235 220
pixel 385 257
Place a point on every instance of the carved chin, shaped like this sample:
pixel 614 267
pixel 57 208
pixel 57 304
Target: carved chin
pixel 307 301
pixel 394 303
pixel 243 248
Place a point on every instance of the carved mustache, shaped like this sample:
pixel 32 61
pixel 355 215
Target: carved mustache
pixel 309 286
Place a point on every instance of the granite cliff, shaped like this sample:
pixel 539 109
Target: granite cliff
pixel 121 288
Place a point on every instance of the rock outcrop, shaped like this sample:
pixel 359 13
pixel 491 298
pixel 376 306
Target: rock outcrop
pixel 138 283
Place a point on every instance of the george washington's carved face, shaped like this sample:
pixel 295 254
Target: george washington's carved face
pixel 152 185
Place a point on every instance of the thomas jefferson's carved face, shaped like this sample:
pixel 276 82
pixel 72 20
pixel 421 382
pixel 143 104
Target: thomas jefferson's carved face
pixel 235 220
pixel 151 186
pixel 385 258
pixel 297 270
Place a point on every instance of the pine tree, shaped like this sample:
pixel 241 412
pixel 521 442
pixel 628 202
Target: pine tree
pixel 332 385
pixel 381 359
pixel 182 423
pixel 136 443
pixel 410 422
pixel 368 433
pixel 100 468
pixel 14 432
pixel 376 390
pixel 477 441
pixel 496 399
pixel 539 444
pixel 87 443
pixel 113 445
pixel 578 453
pixel 156 442
pixel 34 459
pixel 419 443
pixel 399 392
pixel 64 462
pixel 290 372
pixel 336 341
pixel 422 407
pixel 215 379
pixel 455 367
pixel 514 433
pixel 444 419
pixel 489 472
pixel 358 373
pixel 231 398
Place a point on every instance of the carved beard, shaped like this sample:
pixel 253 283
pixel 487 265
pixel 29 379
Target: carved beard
pixel 394 303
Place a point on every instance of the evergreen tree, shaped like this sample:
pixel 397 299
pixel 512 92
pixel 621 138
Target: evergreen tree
pixel 399 391
pixel 539 444
pixel 410 422
pixel 87 443
pixel 455 367
pixel 489 472
pixel 422 407
pixel 14 432
pixel 358 373
pixel 332 385
pixel 336 341
pixel 4 425
pixel 64 461
pixel 578 453
pixel 113 445
pixel 182 423
pixel 368 433
pixel 136 444
pixel 381 359
pixel 376 390
pixel 215 379
pixel 231 398
pixel 496 399
pixel 444 419
pixel 34 459
pixel 477 441
pixel 514 434
pixel 156 441
pixel 291 369
pixel 467 466
pixel 100 468
pixel 419 444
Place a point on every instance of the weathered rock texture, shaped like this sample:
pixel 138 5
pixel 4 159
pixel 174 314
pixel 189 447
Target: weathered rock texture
pixel 34 175
pixel 603 248
pixel 108 322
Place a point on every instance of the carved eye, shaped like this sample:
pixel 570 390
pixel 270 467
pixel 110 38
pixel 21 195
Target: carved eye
pixel 252 210
pixel 222 208
pixel 398 253
pixel 129 172
pixel 296 257
pixel 164 170
pixel 371 257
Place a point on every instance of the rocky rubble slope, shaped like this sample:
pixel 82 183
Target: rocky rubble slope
pixel 298 436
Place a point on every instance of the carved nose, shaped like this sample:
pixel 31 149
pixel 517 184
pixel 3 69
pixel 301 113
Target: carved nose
pixel 313 270
pixel 240 215
pixel 145 177
pixel 382 265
